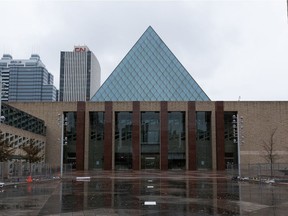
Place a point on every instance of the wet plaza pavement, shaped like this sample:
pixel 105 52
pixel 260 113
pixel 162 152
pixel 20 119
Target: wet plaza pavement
pixel 144 193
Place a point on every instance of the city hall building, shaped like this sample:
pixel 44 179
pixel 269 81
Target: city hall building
pixel 151 114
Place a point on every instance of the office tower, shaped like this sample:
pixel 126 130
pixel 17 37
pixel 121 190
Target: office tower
pixel 79 74
pixel 26 80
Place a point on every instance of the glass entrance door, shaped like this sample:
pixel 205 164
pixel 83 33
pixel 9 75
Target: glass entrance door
pixel 150 140
pixel 150 162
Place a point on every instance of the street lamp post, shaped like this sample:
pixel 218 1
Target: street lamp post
pixel 0 97
pixel 2 118
pixel 237 123
pixel 63 141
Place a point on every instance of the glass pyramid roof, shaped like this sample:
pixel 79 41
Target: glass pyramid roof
pixel 150 72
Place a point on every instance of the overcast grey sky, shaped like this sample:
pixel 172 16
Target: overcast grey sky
pixel 231 48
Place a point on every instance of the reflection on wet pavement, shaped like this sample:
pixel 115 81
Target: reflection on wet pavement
pixel 145 193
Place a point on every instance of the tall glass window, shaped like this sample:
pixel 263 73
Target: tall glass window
pixel 123 140
pixel 150 140
pixel 19 119
pixel 70 132
pixel 177 138
pixel 96 141
pixel 231 148
pixel 203 140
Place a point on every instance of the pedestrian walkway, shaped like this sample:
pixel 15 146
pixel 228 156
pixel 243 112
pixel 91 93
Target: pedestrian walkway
pixel 143 193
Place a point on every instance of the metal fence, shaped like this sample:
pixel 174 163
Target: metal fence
pixel 277 170
pixel 18 171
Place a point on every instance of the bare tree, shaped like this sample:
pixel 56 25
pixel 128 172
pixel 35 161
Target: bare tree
pixel 32 153
pixel 6 148
pixel 269 148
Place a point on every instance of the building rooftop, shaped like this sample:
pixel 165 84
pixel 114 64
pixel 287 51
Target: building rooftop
pixel 34 60
pixel 150 72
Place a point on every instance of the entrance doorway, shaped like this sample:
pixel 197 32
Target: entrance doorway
pixel 150 162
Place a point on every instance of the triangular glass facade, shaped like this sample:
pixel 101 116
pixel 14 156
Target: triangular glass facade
pixel 150 72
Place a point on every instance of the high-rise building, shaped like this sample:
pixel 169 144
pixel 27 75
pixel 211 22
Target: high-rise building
pixel 26 80
pixel 79 75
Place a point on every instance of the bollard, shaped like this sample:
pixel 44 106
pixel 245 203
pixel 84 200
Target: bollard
pixel 29 179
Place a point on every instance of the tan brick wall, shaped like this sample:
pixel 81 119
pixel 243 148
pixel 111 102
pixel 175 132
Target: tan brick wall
pixel 150 106
pixel 259 120
pixel 177 106
pixel 92 106
pixel 122 106
pixel 205 106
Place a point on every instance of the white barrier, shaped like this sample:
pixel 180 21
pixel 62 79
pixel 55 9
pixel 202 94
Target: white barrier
pixel 84 178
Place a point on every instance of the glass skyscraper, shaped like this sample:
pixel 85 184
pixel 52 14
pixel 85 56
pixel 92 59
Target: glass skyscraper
pixel 26 80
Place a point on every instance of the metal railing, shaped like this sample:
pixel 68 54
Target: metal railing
pixel 263 170
pixel 18 171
